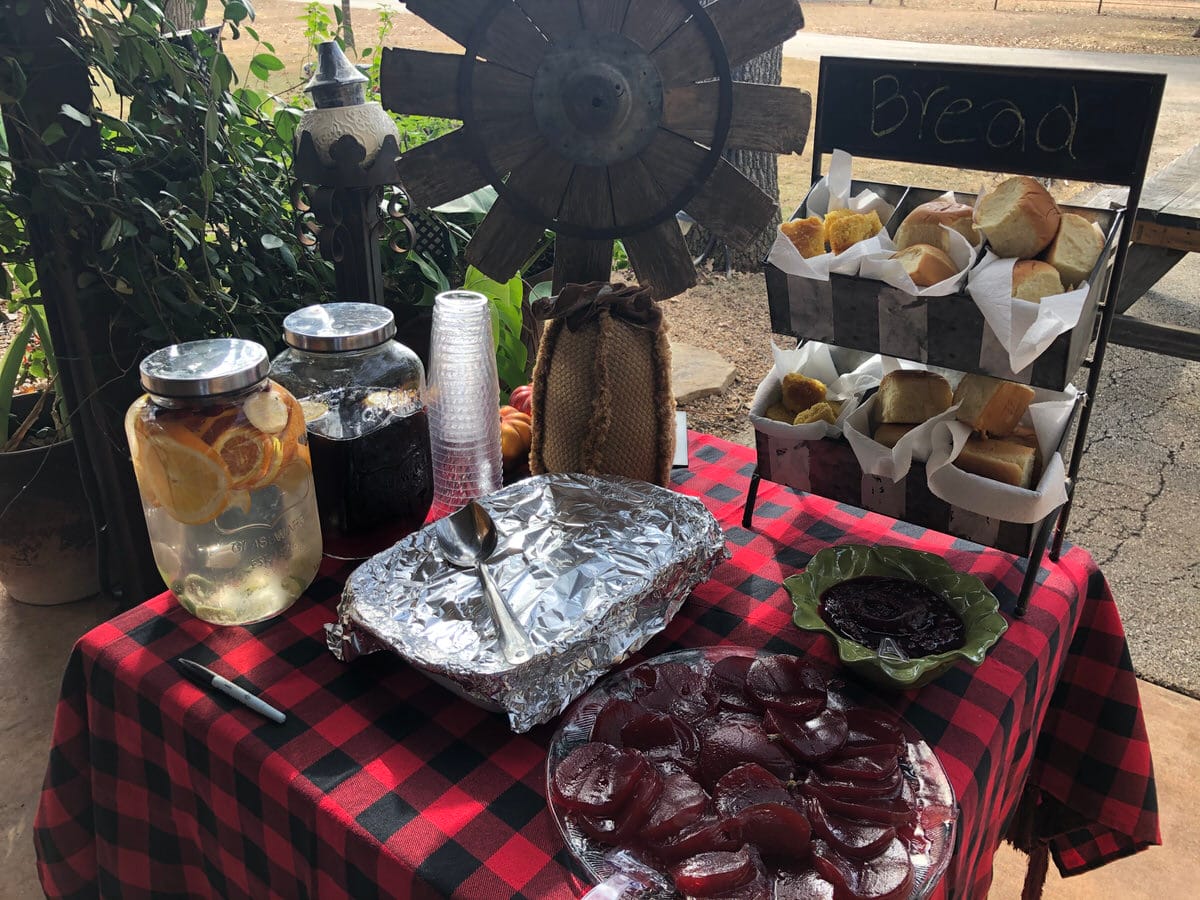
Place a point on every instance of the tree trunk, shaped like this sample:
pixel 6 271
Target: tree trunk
pixel 179 15
pixel 761 168
pixel 347 28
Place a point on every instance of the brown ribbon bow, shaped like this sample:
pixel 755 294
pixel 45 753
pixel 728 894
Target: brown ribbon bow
pixel 579 304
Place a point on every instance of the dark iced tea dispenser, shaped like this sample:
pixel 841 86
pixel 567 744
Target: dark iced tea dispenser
pixel 363 399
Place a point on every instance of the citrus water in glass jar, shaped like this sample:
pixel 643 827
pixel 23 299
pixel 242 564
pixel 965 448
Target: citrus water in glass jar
pixel 222 464
pixel 363 398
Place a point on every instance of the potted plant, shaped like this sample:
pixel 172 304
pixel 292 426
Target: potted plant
pixel 47 537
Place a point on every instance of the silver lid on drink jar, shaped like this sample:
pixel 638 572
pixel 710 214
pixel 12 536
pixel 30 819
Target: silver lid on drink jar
pixel 205 368
pixel 339 327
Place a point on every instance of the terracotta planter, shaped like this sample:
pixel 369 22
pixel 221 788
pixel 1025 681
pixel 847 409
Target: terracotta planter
pixel 47 539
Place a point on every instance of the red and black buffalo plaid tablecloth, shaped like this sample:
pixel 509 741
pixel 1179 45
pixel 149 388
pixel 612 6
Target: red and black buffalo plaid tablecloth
pixel 383 784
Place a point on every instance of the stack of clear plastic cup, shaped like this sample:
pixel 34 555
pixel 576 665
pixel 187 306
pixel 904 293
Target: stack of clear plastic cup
pixel 464 402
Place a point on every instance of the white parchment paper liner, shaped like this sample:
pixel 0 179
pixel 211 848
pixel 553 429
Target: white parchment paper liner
pixel 814 360
pixel 890 462
pixel 1049 416
pixel 833 192
pixel 1023 329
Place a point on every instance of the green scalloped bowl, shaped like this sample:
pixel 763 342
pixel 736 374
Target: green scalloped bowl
pixel 966 594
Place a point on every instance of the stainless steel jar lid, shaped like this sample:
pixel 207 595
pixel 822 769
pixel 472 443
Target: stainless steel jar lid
pixel 205 368
pixel 338 327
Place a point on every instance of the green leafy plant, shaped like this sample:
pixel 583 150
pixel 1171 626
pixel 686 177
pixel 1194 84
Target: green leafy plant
pixel 188 198
pixel 29 359
pixel 505 302
pixel 186 213
pixel 620 257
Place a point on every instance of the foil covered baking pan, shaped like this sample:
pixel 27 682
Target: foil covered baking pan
pixel 592 567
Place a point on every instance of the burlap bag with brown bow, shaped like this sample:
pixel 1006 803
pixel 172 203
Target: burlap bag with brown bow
pixel 602 385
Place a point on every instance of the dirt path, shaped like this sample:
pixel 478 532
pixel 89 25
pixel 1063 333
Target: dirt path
pixel 1152 28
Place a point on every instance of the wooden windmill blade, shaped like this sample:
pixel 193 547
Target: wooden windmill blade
pixel 553 18
pixel 605 15
pixel 766 118
pixel 453 18
pixel 727 203
pixel 442 170
pixel 511 34
pixel 417 82
pixel 586 117
pixel 658 253
pixel 650 22
pixel 745 33
pixel 588 199
pixel 512 229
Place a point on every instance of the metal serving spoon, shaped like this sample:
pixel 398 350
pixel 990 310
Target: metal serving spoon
pixel 467 539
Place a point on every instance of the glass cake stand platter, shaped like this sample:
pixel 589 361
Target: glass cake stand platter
pixel 624 874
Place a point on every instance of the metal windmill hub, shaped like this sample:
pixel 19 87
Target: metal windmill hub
pixel 598 98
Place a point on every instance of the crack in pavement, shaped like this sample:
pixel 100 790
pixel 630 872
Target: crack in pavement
pixel 1144 512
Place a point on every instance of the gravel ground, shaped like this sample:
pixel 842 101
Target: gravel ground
pixel 728 316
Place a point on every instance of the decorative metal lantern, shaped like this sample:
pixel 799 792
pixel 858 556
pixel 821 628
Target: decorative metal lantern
pixel 346 150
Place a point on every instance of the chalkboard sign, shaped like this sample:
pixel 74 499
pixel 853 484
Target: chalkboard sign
pixel 1059 123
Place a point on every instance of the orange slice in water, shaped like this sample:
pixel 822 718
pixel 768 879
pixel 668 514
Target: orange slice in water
pixel 275 461
pixel 185 475
pixel 246 453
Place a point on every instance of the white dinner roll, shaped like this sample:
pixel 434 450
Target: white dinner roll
pixel 1033 279
pixel 1075 248
pixel 926 264
pixel 924 225
pixel 1019 218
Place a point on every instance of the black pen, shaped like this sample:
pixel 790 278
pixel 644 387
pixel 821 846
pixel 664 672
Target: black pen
pixel 206 677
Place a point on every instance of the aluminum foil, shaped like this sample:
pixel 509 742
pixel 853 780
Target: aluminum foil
pixel 592 567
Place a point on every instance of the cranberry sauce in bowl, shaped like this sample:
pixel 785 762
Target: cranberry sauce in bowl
pixel 870 608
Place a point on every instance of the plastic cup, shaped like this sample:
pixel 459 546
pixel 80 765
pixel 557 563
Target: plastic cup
pixel 464 399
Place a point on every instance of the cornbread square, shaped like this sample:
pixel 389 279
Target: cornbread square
pixel 801 392
pixel 806 235
pixel 779 413
pixel 844 231
pixel 820 412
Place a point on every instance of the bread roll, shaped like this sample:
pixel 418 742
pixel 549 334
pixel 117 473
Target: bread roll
pixel 806 235
pixel 1019 218
pixel 1005 461
pixel 889 435
pixel 991 406
pixel 801 392
pixel 1075 248
pixel 1033 279
pixel 910 396
pixel 844 229
pixel 924 225
pixel 926 264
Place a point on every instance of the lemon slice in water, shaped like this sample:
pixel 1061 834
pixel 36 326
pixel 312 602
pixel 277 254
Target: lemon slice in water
pixel 267 411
